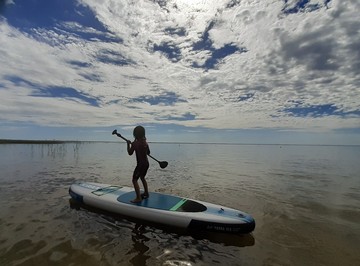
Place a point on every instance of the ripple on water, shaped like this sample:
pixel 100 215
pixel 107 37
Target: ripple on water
pixel 306 209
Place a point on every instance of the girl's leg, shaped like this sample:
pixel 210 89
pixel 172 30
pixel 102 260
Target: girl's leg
pixel 146 192
pixel 137 191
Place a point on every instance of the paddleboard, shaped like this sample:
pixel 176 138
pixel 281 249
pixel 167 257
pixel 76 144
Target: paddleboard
pixel 163 209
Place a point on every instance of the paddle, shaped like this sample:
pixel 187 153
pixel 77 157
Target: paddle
pixel 162 164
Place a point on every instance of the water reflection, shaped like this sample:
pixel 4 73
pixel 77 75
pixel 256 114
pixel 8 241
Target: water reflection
pixel 139 245
pixel 45 152
pixel 139 228
pixel 57 151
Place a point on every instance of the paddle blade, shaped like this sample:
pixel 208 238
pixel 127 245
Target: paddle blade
pixel 163 164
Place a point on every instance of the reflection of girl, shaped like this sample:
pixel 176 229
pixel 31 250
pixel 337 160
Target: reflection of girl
pixel 141 149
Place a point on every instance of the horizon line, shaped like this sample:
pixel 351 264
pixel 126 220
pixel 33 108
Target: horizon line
pixel 54 141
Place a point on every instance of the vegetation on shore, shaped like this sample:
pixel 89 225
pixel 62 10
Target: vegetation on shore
pixel 16 141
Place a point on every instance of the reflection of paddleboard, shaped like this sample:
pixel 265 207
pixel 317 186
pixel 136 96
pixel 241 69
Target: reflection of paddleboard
pixel 163 209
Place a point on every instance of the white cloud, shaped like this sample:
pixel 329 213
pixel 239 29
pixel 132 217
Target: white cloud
pixel 308 57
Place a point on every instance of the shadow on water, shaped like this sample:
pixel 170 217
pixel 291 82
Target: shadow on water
pixel 139 228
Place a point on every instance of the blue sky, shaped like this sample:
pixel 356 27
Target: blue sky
pixel 283 71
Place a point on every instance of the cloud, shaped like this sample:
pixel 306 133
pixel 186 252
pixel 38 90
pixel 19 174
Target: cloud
pixel 166 98
pixel 182 117
pixel 170 50
pixel 112 57
pixel 319 111
pixel 296 6
pixel 213 64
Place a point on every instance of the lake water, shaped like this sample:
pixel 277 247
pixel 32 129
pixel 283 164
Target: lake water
pixel 305 200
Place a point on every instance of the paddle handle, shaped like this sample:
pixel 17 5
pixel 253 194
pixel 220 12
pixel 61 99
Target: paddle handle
pixel 119 135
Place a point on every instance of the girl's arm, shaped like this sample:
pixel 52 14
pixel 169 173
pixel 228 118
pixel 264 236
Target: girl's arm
pixel 130 147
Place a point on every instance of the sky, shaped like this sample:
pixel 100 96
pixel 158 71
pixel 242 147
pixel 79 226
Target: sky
pixel 234 71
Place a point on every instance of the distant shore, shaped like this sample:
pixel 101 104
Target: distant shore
pixel 20 141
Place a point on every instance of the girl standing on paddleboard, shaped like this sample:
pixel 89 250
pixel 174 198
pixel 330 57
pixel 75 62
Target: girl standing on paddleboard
pixel 141 149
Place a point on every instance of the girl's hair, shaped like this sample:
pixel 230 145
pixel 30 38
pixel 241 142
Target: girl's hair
pixel 139 132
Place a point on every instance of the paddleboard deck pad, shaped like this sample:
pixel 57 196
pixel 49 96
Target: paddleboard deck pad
pixel 163 209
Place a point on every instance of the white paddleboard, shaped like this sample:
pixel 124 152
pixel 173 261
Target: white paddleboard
pixel 163 209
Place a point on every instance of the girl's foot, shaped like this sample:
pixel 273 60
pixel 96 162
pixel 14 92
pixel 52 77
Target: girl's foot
pixel 136 200
pixel 144 195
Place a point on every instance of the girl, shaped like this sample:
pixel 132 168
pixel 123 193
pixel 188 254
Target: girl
pixel 141 149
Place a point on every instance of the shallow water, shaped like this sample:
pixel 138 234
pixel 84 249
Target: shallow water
pixel 305 200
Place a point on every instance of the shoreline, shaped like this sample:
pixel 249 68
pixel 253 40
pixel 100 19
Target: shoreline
pixel 18 141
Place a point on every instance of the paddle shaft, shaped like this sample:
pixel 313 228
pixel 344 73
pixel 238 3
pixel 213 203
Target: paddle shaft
pixel 154 158
pixel 117 134
pixel 162 164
